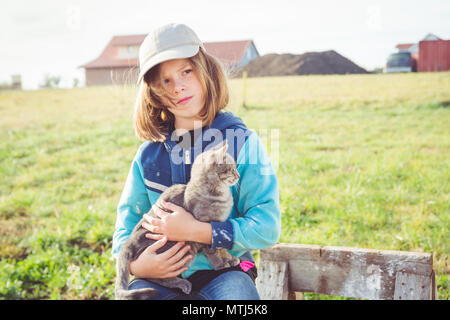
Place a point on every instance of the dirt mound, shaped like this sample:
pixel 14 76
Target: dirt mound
pixel 327 62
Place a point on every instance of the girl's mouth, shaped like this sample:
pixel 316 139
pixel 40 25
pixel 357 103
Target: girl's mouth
pixel 184 100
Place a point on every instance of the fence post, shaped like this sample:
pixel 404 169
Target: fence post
pixel 244 91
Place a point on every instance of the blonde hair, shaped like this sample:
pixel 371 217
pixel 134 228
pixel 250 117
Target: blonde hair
pixel 151 116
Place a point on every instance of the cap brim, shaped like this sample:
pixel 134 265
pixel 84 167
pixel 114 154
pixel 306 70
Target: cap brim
pixel 170 54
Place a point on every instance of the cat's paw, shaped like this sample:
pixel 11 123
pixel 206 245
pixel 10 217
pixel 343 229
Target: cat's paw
pixel 221 266
pixel 234 261
pixel 227 263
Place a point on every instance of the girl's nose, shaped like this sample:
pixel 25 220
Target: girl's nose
pixel 179 87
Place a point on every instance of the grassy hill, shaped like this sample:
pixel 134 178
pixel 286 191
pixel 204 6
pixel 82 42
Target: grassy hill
pixel 362 161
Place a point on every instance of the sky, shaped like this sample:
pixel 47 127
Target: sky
pixel 56 37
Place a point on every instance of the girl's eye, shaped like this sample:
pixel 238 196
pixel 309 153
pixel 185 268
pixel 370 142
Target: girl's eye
pixel 165 81
pixel 187 71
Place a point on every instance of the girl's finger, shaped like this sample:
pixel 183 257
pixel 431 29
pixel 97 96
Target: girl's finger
pixel 154 236
pixel 176 273
pixel 172 251
pixel 155 222
pixel 158 244
pixel 146 226
pixel 181 263
pixel 169 205
pixel 179 255
pixel 159 212
pixel 151 227
pixel 147 217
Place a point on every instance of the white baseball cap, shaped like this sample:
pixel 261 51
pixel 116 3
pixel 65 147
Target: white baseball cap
pixel 171 41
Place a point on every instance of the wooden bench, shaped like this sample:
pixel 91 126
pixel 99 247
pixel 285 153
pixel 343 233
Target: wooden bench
pixel 350 272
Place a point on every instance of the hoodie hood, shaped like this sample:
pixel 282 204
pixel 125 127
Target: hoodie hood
pixel 226 119
pixel 222 121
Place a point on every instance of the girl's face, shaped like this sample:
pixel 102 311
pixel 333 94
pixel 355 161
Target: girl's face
pixel 184 91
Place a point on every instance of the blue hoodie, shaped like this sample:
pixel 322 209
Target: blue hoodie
pixel 254 222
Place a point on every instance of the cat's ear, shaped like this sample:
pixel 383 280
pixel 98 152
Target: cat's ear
pixel 218 152
pixel 222 147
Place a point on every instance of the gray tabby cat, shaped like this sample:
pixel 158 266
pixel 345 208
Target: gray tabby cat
pixel 208 197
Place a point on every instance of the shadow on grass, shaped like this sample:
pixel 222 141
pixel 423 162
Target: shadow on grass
pixel 435 105
pixel 444 104
pixel 254 108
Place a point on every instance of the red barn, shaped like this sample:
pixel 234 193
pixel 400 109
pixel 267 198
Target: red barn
pixel 434 56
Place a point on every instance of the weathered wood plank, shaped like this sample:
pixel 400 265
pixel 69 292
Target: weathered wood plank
pixel 294 295
pixel 351 272
pixel 288 251
pixel 272 280
pixel 434 292
pixel 410 286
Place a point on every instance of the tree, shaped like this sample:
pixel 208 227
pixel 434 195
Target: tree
pixel 50 81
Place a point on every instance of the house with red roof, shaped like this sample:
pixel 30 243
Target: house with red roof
pixel 414 47
pixel 119 61
pixel 402 47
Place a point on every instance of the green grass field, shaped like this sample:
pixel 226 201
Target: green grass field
pixel 363 162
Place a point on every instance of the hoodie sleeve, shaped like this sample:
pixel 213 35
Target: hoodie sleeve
pixel 133 203
pixel 258 223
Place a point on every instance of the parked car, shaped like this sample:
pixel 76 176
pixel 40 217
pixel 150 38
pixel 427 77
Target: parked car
pixel 401 62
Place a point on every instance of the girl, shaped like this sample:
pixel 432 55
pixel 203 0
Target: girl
pixel 179 114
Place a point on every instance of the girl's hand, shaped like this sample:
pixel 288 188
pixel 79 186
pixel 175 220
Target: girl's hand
pixel 179 225
pixel 168 264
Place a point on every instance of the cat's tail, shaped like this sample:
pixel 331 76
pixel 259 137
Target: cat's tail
pixel 137 294
pixel 121 290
